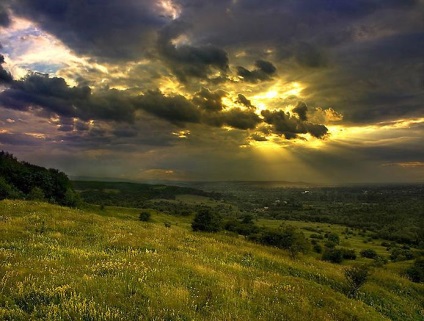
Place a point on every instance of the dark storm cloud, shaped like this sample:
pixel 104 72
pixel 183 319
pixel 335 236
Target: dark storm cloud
pixel 55 96
pixel 241 99
pixel 18 139
pixel 76 106
pixel 354 8
pixel 188 61
pixel 374 81
pixel 114 29
pixel 309 56
pixel 263 71
pixel 241 119
pixel 5 76
pixel 258 138
pixel 209 101
pixel 175 109
pixel 301 109
pixel 4 16
pixel 288 126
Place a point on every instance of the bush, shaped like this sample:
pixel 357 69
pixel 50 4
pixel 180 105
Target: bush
pixel 316 236
pixel 356 276
pixel 317 248
pixel 416 272
pixel 348 254
pixel 369 253
pixel 144 216
pixel 36 194
pixel 333 255
pixel 334 238
pixel 243 227
pixel 206 221
pixel 398 254
pixel 288 238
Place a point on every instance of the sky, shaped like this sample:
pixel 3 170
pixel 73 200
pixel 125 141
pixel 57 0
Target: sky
pixel 318 91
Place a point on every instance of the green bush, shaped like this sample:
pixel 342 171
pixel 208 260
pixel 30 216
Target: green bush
pixel 206 221
pixel 317 248
pixel 144 216
pixel 398 255
pixel 356 276
pixel 369 253
pixel 333 255
pixel 334 238
pixel 348 254
pixel 416 272
pixel 288 238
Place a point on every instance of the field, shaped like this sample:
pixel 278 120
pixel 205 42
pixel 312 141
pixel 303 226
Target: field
pixel 58 263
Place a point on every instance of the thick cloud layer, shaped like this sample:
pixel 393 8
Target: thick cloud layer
pixel 197 77
pixel 5 76
pixel 263 71
pixel 53 97
pixel 111 29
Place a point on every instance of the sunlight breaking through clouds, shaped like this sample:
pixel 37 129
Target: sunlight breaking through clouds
pixel 196 81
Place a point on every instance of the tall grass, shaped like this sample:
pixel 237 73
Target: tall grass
pixel 63 264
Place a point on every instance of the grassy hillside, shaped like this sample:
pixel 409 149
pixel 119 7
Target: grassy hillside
pixel 58 263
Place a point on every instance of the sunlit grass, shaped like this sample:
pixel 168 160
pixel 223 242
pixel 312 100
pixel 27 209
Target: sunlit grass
pixel 63 264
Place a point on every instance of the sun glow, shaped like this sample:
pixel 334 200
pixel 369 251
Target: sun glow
pixel 279 91
pixel 169 8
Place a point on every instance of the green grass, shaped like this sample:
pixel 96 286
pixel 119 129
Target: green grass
pixel 62 264
pixel 356 241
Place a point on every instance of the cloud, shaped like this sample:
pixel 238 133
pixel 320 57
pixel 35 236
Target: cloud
pixel 258 137
pixel 264 71
pixel 4 16
pixel 311 56
pixel 209 101
pixel 53 95
pixel 110 29
pixel 290 127
pixel 187 61
pixel 5 76
pixel 241 119
pixel 301 110
pixel 175 109
pixel 241 99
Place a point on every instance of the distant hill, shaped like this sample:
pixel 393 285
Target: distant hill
pixel 22 180
pixel 131 194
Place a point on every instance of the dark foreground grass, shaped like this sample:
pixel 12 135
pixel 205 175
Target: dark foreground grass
pixel 62 264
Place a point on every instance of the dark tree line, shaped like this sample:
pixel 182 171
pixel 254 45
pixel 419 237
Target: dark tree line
pixel 22 180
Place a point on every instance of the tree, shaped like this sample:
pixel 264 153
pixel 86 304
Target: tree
pixel 356 276
pixel 207 221
pixel 36 194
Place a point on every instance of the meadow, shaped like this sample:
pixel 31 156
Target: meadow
pixel 58 263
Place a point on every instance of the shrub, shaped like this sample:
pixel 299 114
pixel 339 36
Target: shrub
pixel 356 276
pixel 379 261
pixel 317 248
pixel 144 216
pixel 334 238
pixel 348 254
pixel 333 255
pixel 207 221
pixel 369 253
pixel 288 238
pixel 36 194
pixel 398 254
pixel 416 272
